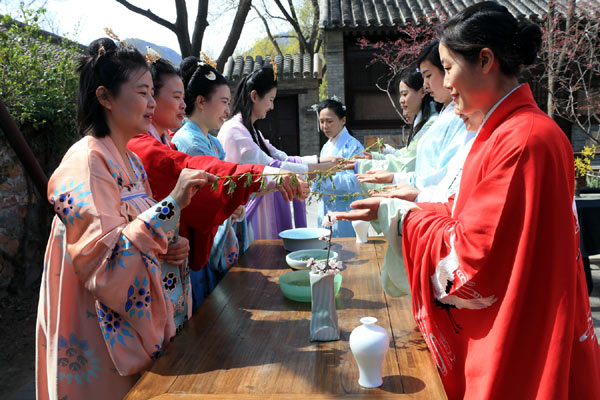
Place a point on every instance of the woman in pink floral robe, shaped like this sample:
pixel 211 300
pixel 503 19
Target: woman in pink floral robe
pixel 109 298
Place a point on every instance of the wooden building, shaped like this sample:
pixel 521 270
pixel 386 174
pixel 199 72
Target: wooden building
pixel 343 22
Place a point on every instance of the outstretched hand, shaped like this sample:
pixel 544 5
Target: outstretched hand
pixel 375 177
pixel 401 191
pixel 363 210
pixel 189 182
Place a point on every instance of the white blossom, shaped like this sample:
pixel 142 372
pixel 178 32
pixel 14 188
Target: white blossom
pixel 329 220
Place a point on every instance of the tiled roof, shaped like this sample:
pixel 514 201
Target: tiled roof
pixel 297 66
pixel 389 13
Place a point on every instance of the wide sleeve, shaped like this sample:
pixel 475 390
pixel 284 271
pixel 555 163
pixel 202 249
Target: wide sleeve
pixel 208 208
pixel 115 258
pixel 343 182
pixel 239 147
pixel 440 247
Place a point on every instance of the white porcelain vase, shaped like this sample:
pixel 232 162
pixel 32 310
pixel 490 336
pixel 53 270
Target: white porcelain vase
pixel 361 228
pixel 369 343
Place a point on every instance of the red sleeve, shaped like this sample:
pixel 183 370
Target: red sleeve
pixel 208 208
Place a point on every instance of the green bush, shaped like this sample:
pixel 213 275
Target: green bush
pixel 38 84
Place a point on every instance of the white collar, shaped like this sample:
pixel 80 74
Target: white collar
pixel 497 104
pixel 334 141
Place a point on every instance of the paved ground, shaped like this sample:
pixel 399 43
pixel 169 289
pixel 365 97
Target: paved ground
pixel 27 391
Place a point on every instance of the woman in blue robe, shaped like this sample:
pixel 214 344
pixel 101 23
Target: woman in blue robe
pixel 332 121
pixel 207 97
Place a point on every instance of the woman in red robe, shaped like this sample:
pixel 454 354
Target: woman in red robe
pixel 498 289
pixel 163 163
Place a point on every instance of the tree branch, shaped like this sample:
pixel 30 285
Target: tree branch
pixel 234 34
pixel 294 22
pixel 148 14
pixel 271 38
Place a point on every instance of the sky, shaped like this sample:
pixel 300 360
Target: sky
pixel 85 20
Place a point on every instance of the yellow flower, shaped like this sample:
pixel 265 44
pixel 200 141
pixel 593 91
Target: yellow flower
pixel 583 163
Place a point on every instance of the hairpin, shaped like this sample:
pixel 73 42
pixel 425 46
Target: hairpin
pixel 274 68
pixel 109 32
pixel 208 60
pixel 210 75
pixel 101 50
pixel 152 56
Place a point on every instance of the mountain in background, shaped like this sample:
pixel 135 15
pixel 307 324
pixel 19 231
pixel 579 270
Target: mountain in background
pixel 165 52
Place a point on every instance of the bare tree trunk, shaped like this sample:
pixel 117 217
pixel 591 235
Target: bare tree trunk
pixel 235 33
pixel 199 27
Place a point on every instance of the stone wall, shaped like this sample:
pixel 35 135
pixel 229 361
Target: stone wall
pixel 307 121
pixel 24 226
pixel 334 57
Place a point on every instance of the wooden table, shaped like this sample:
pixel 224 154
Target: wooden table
pixel 247 341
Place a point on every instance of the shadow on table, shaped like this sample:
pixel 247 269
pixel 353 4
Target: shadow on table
pixel 409 384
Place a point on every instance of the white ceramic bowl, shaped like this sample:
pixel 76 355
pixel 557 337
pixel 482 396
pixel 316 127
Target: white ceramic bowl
pixel 304 238
pixel 298 259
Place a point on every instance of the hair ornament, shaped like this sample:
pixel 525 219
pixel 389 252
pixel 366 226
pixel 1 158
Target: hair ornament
pixel 152 56
pixel 205 59
pixel 101 51
pixel 210 76
pixel 272 61
pixel 111 34
pixel 335 98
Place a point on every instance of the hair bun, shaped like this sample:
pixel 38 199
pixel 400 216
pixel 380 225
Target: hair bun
pixel 188 67
pixel 94 47
pixel 528 41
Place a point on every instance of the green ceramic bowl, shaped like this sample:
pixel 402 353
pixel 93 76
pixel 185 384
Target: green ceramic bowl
pixel 298 259
pixel 295 285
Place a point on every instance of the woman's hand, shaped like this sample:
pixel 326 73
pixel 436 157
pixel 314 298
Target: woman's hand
pixel 375 177
pixel 364 210
pixel 236 214
pixel 401 191
pixel 302 190
pixel 177 252
pixel 323 165
pixel 298 191
pixel 328 159
pixel 365 156
pixel 189 182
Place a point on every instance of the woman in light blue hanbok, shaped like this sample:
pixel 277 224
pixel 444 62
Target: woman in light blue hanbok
pixel 332 120
pixel 444 141
pixel 207 97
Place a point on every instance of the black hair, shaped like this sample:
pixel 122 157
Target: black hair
pixel 263 81
pixel 431 53
pixel 489 24
pixel 197 81
pixel 334 105
pixel 414 80
pixel 159 70
pixel 108 65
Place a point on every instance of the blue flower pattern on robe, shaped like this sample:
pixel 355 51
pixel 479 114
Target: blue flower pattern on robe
pixel 76 361
pixel 138 299
pixel 112 325
pixel 68 202
pixel 120 250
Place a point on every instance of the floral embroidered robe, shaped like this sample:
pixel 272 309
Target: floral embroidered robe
pixel 107 304
pixel 498 289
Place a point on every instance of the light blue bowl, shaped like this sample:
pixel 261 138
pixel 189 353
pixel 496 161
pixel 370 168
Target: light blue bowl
pixel 295 285
pixel 298 259
pixel 303 238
